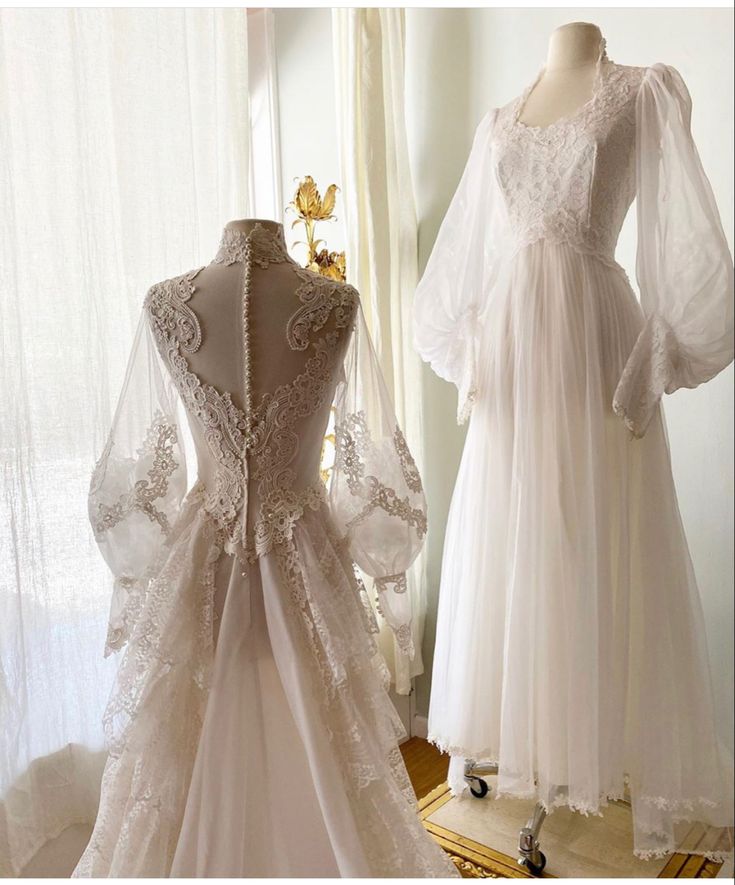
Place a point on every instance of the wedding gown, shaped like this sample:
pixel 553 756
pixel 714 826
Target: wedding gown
pixel 570 639
pixel 250 730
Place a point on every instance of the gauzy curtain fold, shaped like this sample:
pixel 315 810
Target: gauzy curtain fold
pixel 265 162
pixel 381 232
pixel 124 147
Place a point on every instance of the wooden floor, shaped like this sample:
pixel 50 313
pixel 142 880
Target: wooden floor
pixel 426 766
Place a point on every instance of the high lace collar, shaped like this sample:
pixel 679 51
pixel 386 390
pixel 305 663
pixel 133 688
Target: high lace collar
pixel 267 245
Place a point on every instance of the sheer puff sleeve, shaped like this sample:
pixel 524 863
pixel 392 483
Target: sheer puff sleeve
pixel 139 482
pixel 376 495
pixel 450 297
pixel 684 268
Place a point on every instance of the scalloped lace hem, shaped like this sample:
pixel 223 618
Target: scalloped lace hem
pixel 661 853
pixel 682 809
pixel 455 750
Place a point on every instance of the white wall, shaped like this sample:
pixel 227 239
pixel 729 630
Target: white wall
pixel 459 63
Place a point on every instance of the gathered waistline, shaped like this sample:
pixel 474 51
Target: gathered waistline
pixel 580 248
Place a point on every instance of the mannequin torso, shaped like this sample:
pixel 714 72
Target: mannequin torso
pixel 568 77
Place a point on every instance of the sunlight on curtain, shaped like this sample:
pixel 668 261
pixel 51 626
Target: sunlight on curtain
pixel 265 146
pixel 124 148
pixel 380 222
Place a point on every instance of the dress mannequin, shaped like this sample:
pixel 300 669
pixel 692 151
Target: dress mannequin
pixel 568 78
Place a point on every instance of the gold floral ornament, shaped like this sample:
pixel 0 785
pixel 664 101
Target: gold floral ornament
pixel 311 208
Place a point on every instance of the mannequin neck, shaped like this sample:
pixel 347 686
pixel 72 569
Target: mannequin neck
pixel 246 225
pixel 575 45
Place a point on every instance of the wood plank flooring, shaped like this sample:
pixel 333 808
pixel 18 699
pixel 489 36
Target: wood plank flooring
pixel 426 766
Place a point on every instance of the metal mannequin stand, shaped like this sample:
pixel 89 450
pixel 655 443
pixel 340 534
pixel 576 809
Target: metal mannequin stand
pixel 529 850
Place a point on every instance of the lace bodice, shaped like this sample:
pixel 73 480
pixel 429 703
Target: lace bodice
pixel 574 180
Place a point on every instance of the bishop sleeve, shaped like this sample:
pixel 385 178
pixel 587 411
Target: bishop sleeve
pixel 684 268
pixel 138 483
pixel 375 494
pixel 449 299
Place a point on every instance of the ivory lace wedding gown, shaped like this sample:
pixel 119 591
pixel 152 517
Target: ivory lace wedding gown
pixel 250 730
pixel 570 640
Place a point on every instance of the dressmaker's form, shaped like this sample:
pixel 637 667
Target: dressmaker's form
pixel 250 729
pixel 570 653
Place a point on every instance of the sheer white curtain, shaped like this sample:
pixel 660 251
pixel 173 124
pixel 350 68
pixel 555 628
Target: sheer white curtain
pixel 380 223
pixel 265 161
pixel 124 147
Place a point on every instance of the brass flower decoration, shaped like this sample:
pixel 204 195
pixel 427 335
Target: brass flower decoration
pixel 311 207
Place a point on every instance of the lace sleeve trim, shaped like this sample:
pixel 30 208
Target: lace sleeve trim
pixel 353 442
pixel 160 442
pixel 648 374
pixel 398 582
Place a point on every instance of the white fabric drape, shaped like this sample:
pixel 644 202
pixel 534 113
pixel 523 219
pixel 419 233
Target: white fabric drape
pixel 124 144
pixel 380 223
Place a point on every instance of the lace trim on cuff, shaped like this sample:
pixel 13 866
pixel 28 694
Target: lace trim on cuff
pixel 158 447
pixel 398 582
pixel 649 373
pixel 127 603
pixel 467 385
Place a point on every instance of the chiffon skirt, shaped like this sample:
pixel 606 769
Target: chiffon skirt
pixel 570 640
pixel 251 733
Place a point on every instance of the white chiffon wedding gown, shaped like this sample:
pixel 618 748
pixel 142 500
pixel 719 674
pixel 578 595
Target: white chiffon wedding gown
pixel 570 640
pixel 250 730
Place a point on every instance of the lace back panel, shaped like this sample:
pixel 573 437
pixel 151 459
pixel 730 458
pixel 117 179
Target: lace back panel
pixel 299 324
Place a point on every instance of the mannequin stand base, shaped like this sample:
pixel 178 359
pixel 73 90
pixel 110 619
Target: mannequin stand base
pixel 529 850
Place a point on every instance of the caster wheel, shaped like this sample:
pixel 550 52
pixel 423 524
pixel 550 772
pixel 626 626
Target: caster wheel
pixel 536 869
pixel 479 788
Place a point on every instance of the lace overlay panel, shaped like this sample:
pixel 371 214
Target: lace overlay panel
pixel 354 448
pixel 572 181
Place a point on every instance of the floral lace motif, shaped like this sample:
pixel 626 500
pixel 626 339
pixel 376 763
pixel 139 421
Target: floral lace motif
pixel 321 298
pixel 573 180
pixel 353 445
pixel 648 374
pixel 398 582
pixel 160 443
pixel 408 465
